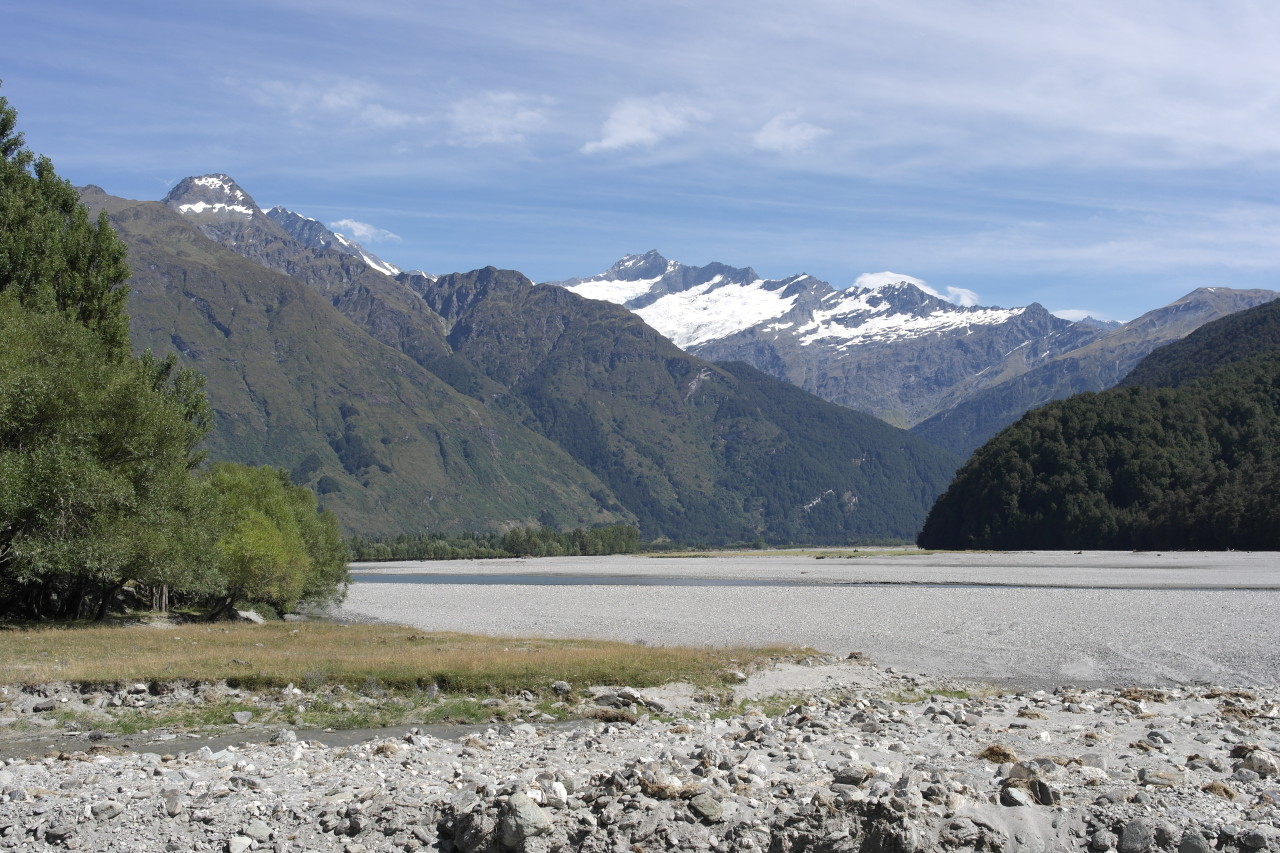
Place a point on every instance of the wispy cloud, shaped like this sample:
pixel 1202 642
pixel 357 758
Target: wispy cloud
pixel 363 232
pixel 644 122
pixel 353 102
pixel 787 134
pixel 497 118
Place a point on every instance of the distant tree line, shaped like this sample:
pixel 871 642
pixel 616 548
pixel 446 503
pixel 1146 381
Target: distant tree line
pixel 102 487
pixel 516 542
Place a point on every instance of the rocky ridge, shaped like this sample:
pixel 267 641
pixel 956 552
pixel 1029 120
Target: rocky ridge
pixel 873 761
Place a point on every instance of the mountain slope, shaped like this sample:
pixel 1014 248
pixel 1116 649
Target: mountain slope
pixel 293 383
pixel 954 374
pixel 1191 463
pixel 1210 348
pixel 699 452
pixel 222 211
pixel 896 350
pixel 1099 364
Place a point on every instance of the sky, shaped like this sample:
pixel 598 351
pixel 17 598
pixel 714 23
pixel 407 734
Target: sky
pixel 1100 157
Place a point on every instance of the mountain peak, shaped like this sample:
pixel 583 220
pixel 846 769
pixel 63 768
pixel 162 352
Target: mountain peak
pixel 637 267
pixel 215 194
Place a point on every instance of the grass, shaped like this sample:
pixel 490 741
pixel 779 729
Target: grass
pixel 360 658
pixel 356 676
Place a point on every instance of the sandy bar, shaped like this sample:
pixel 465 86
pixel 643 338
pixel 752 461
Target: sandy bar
pixel 1034 619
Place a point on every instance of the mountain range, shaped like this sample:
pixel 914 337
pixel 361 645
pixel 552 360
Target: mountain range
pixel 411 402
pixel 953 374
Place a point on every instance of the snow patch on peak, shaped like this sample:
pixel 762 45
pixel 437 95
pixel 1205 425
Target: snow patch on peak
pixel 222 182
pixel 204 206
pixel 707 312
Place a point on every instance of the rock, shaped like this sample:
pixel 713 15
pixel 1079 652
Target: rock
pixel 239 844
pixel 1193 842
pixel 522 819
pixel 44 705
pixel 561 688
pixel 258 831
pixel 1136 836
pixel 1015 797
pixel 106 810
pixel 1255 839
pixel 242 717
pixel 59 833
pixel 1262 762
pixel 706 807
pixel 1103 840
pixel 250 616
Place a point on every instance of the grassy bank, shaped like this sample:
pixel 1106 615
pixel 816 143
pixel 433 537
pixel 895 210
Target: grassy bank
pixel 316 655
pixel 353 676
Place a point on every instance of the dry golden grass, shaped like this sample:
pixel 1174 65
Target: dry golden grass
pixel 318 654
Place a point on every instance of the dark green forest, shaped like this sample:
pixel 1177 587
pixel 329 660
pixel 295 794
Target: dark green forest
pixel 1185 454
pixel 102 488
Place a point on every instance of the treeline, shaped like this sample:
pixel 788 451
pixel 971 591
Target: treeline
pixel 102 487
pixel 517 542
pixel 1192 467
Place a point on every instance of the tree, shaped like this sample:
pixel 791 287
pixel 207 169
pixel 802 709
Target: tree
pixel 95 461
pixel 51 256
pixel 272 544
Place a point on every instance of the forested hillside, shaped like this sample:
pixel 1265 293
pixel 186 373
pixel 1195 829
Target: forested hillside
pixel 1193 465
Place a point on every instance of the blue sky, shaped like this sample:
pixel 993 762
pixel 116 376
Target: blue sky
pixel 1100 156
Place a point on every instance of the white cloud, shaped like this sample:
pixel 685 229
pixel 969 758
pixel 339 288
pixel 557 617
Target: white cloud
pixel 644 122
pixel 496 118
pixel 786 134
pixel 879 279
pixel 955 295
pixel 363 232
pixel 356 102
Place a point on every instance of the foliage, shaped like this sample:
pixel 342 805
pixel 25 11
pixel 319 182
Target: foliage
pixel 273 545
pixel 95 459
pixel 1195 467
pixel 517 542
pixel 98 447
pixel 51 256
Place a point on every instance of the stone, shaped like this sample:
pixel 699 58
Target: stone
pixel 1193 842
pixel 1262 762
pixel 707 807
pixel 239 844
pixel 250 616
pixel 1102 840
pixel 258 831
pixel 106 810
pixel 1136 836
pixel 242 717
pixel 1016 797
pixel 522 819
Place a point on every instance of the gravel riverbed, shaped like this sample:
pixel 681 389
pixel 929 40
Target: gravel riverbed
pixel 1023 619
pixel 1103 733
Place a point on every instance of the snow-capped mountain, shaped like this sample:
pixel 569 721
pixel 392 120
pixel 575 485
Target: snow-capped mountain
pixel 694 306
pixel 228 214
pixel 896 349
pixel 312 232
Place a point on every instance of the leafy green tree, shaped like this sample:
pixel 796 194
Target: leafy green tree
pixel 273 546
pixel 95 460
